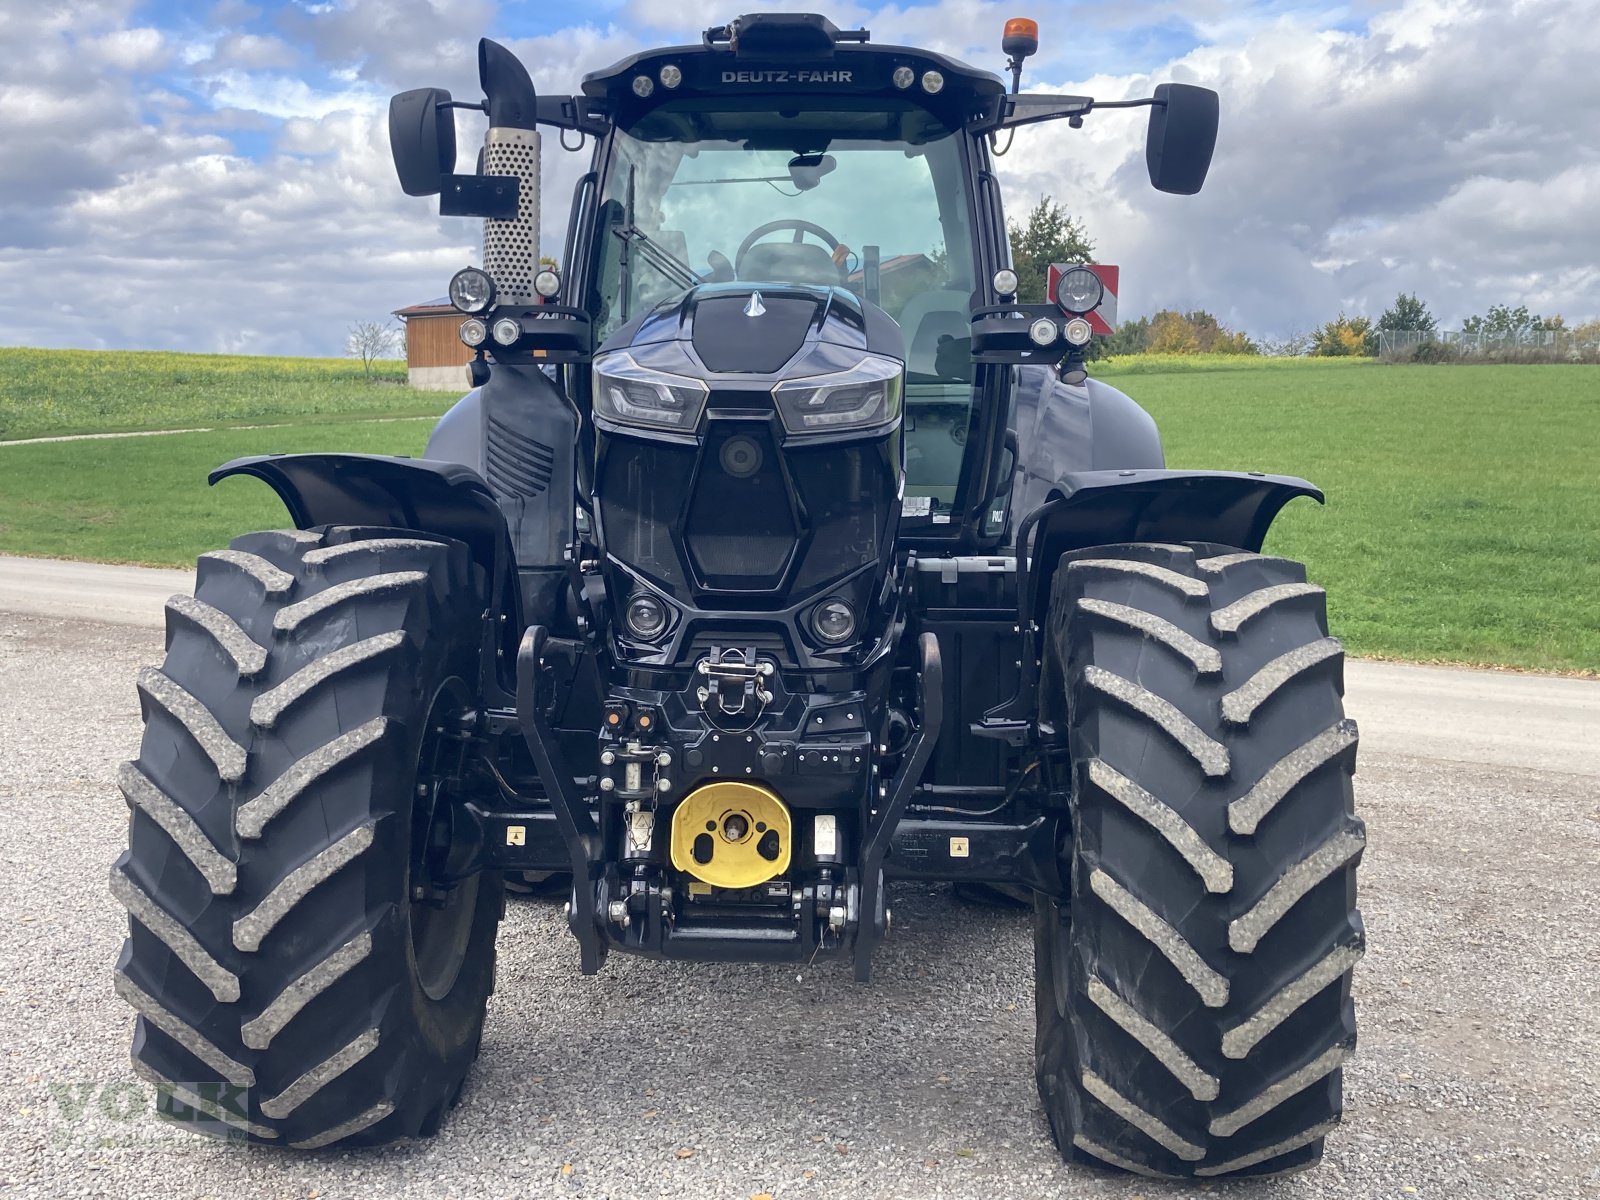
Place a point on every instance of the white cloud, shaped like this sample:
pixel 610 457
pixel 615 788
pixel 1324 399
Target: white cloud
pixel 252 52
pixel 126 50
pixel 285 97
pixel 1442 147
pixel 1415 156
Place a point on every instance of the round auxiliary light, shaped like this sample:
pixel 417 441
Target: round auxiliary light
pixel 507 331
pixel 643 85
pixel 547 283
pixel 1079 291
pixel 473 331
pixel 471 290
pixel 932 82
pixel 1005 282
pixel 1043 331
pixel 1078 331
pixel 645 615
pixel 671 76
pixel 904 77
pixel 833 621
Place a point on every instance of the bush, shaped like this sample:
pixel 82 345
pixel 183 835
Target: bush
pixel 1345 337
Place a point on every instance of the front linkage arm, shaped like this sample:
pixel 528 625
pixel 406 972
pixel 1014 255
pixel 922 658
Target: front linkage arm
pixel 880 833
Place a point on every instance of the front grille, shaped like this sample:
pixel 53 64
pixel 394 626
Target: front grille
pixel 741 531
pixel 517 464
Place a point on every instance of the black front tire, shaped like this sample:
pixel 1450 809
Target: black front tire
pixel 298 979
pixel 1193 990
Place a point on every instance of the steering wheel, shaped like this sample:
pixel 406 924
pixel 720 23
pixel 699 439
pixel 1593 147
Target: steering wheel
pixel 801 228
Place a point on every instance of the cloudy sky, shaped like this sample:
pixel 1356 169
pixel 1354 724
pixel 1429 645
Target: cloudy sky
pixel 215 176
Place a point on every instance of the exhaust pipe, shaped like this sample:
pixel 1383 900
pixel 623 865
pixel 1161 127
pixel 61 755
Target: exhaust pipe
pixel 511 147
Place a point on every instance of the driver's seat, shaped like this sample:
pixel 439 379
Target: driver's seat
pixel 790 262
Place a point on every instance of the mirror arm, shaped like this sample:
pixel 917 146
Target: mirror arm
pixel 1031 108
pixel 1146 102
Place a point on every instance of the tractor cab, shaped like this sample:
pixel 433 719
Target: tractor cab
pixel 696 198
pixel 785 158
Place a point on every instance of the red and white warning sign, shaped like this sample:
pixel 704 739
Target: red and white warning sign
pixel 1103 319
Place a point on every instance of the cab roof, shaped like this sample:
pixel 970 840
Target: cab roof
pixel 761 59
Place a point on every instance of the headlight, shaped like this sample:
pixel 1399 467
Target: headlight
pixel 629 394
pixel 833 621
pixel 646 617
pixel 866 395
pixel 1079 291
pixel 471 290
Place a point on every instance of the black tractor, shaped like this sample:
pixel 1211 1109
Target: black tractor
pixel 778 553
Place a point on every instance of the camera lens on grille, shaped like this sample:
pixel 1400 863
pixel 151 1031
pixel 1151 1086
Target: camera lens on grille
pixel 740 457
pixel 645 615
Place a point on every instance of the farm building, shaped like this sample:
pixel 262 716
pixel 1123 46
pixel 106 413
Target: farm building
pixel 435 356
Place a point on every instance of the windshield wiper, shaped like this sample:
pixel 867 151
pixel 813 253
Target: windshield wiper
pixel 652 252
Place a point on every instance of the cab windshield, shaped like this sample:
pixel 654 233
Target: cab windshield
pixel 885 217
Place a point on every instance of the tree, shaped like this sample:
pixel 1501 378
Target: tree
pixel 370 341
pixel 1296 345
pixel 1407 313
pixel 1234 341
pixel 1504 323
pixel 1050 236
pixel 1171 333
pixel 1130 337
pixel 1343 337
pixel 1196 332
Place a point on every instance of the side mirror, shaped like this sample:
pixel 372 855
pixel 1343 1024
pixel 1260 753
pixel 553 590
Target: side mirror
pixel 424 147
pixel 1183 134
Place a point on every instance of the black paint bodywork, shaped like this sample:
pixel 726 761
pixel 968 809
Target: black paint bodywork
pixel 747 554
pixel 920 734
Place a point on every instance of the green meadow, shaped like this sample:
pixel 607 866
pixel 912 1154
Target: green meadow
pixel 1462 523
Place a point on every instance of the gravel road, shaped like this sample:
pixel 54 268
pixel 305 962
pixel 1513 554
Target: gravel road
pixel 1478 1073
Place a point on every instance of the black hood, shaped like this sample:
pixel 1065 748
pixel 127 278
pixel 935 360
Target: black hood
pixel 765 329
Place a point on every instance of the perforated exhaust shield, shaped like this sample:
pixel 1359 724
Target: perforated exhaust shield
pixel 511 248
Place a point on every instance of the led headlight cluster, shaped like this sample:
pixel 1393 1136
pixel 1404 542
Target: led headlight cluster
pixel 628 394
pixel 865 396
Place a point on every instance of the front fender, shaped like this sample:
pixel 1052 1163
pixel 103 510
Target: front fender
pixel 441 498
pixel 1101 508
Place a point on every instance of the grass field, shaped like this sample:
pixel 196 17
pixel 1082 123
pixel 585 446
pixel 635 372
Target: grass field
pixel 46 392
pixel 1463 514
pixel 1462 524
